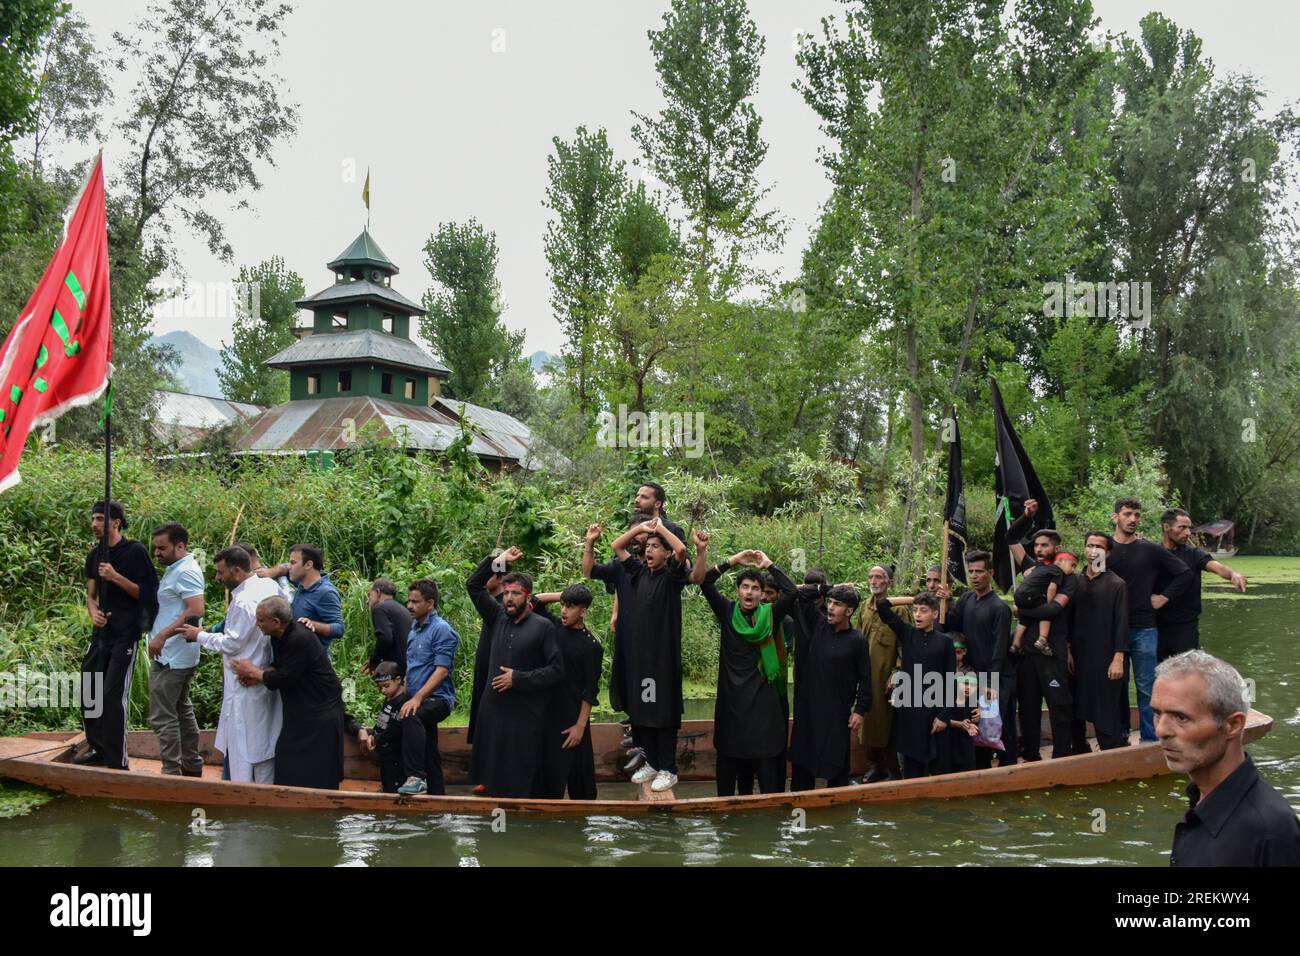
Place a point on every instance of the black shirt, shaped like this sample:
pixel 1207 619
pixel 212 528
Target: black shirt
pixel 130 615
pixel 1185 609
pixel 1243 822
pixel 1139 562
pixel 986 624
pixel 392 625
pixel 1059 636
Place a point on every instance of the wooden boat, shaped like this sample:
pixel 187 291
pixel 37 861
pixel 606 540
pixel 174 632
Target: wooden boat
pixel 45 759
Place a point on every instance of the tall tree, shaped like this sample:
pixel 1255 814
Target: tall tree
pixel 206 109
pixel 964 167
pixel 463 324
pixel 265 315
pixel 23 24
pixel 585 187
pixel 73 89
pixel 705 143
pixel 1199 211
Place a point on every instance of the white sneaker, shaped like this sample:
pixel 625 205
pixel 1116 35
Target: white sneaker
pixel 664 780
pixel 646 772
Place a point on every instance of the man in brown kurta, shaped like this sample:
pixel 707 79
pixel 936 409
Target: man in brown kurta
pixel 882 761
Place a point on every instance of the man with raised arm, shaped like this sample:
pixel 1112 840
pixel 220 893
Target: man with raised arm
pixel 749 715
pixel 524 666
pixel 647 665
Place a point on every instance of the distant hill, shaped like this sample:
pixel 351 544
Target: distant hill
pixel 198 366
pixel 538 361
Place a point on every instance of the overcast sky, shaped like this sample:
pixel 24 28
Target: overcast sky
pixel 451 128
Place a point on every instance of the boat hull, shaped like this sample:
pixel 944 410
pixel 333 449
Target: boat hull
pixel 51 767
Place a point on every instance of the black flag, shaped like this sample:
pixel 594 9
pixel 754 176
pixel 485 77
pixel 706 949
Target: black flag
pixel 954 506
pixel 1015 483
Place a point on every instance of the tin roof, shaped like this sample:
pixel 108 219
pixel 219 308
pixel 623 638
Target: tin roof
pixel 501 429
pixel 362 345
pixel 360 289
pixel 323 424
pixel 181 418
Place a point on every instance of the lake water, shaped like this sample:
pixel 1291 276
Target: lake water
pixel 1115 824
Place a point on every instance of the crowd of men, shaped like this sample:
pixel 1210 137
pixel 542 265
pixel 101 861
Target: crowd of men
pixel 1081 631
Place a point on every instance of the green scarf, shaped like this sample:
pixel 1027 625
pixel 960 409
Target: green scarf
pixel 771 657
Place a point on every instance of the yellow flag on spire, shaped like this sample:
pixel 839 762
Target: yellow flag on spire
pixel 365 192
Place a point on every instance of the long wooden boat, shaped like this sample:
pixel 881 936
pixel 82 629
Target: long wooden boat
pixel 45 759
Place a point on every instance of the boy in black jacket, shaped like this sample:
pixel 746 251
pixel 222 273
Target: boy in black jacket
pixel 385 740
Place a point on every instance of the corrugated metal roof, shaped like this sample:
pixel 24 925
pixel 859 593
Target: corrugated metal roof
pixel 341 292
pixel 322 423
pixel 504 431
pixel 362 345
pixel 181 417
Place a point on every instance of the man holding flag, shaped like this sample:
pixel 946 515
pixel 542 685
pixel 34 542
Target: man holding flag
pixel 57 357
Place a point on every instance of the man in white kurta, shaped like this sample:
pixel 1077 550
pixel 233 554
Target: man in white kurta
pixel 250 716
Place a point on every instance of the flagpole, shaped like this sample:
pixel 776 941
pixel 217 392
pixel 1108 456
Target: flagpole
pixel 943 574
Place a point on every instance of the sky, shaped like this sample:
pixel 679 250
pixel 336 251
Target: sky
pixel 452 106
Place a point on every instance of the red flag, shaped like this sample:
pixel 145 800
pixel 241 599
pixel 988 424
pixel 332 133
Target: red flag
pixel 57 355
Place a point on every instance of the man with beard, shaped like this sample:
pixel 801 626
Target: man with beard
pixel 122 598
pixel 309 750
pixel 833 691
pixel 1178 622
pixel 1044 675
pixel 749 719
pixel 1234 818
pixel 985 620
pixel 524 665
pixel 1141 563
pixel 647 669
pixel 1099 649
pixel 882 645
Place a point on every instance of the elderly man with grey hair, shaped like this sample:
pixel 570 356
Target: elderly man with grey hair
pixel 309 751
pixel 1200 705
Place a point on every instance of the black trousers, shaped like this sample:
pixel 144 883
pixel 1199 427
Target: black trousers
pixel 801 778
pixel 420 743
pixel 1009 710
pixel 923 768
pixel 736 775
pixel 392 770
pixel 1045 677
pixel 1175 638
pixel 105 690
pixel 659 744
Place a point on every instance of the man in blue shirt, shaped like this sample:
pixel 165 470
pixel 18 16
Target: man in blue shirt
pixel 316 602
pixel 430 658
pixel 180 601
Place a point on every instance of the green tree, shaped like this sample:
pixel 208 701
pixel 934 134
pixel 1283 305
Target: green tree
pixel 264 319
pixel 705 143
pixel 585 188
pixel 463 324
pixel 23 25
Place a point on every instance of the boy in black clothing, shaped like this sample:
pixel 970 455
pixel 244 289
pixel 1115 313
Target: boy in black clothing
pixel 385 740
pixel 570 761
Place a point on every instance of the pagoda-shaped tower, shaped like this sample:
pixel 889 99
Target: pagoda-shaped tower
pixel 360 342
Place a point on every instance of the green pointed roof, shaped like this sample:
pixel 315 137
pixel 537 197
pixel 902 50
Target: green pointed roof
pixel 364 251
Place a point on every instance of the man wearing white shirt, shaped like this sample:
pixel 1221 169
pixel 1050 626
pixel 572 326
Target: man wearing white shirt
pixel 250 716
pixel 180 599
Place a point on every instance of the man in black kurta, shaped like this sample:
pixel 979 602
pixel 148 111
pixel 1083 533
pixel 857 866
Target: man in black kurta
pixel 1099 647
pixel 524 665
pixel 570 761
pixel 833 690
pixel 985 619
pixel 482 652
pixel 749 714
pixel 1044 675
pixel 122 598
pixel 648 656
pixel 922 705
pixel 309 750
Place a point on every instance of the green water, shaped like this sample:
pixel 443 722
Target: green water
pixel 1256 633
